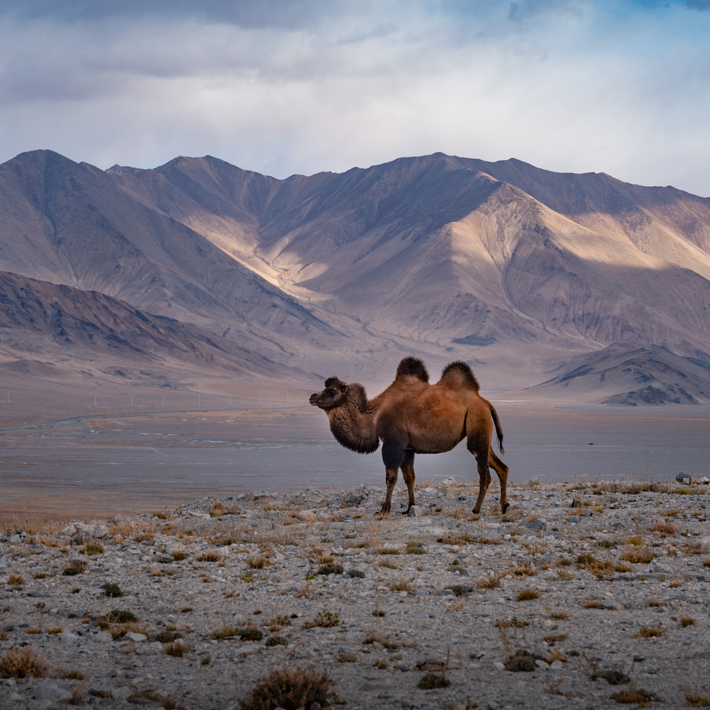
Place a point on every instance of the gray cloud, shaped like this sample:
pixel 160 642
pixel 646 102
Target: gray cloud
pixel 284 87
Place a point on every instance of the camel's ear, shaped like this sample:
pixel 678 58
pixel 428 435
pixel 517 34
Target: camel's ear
pixel 343 387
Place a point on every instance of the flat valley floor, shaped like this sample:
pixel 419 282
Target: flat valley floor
pixel 111 464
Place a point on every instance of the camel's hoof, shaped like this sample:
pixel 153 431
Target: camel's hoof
pixel 384 509
pixel 505 507
pixel 406 512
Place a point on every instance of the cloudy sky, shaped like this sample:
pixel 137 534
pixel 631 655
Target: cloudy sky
pixel 300 86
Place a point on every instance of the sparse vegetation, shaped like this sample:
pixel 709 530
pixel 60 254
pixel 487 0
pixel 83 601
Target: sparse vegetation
pixel 527 595
pixel 209 557
pixel 686 621
pixel 76 567
pixel 433 681
pixel 641 556
pixel 22 663
pixel 330 568
pixel 290 689
pixel 324 619
pixel 522 661
pixel 277 641
pixel 93 548
pixel 613 677
pixel 632 696
pixel 111 589
pixel 650 632
pixel 16 580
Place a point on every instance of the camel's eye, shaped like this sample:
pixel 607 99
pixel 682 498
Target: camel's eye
pixel 331 391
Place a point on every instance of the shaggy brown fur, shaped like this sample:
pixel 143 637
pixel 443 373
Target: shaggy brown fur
pixel 413 417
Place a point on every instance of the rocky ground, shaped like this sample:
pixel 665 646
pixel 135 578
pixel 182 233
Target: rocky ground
pixel 551 606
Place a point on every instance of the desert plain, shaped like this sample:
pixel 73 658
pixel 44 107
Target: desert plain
pixel 247 541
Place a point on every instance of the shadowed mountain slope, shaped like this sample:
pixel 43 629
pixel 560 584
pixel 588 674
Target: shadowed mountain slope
pixel 72 224
pixel 40 318
pixel 631 373
pixel 439 256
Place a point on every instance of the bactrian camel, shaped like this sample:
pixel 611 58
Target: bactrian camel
pixel 413 417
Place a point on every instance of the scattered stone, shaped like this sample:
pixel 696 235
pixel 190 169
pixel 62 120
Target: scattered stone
pixel 135 637
pixel 307 516
pixel 413 512
pixel 50 692
pixel 536 525
pixel 684 478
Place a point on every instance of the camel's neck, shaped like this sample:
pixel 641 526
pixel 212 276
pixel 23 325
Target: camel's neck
pixel 353 428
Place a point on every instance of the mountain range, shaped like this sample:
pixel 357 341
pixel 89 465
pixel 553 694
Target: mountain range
pixel 515 269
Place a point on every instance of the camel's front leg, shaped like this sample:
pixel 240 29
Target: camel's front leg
pixel 408 475
pixel 392 457
pixel 391 479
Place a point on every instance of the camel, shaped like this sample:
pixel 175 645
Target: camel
pixel 413 417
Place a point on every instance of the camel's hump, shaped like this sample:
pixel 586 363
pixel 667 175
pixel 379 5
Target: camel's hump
pixel 458 374
pixel 413 367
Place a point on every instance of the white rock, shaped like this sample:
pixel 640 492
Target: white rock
pixel 199 514
pixel 705 543
pixel 135 637
pixel 49 691
pixel 308 516
pixel 69 636
pixel 68 531
pixel 104 637
pixel 500 666
pixel 100 531
pixel 542 665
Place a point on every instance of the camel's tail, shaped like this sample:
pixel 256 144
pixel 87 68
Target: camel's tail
pixel 499 431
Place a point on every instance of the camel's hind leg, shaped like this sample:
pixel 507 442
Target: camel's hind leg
pixel 502 470
pixel 392 456
pixel 408 475
pixel 479 444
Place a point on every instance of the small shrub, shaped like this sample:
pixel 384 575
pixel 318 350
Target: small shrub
pixel 277 641
pixel 249 633
pixel 176 649
pixel 121 616
pixel 552 639
pixel 54 630
pixel 291 688
pixel 650 632
pixel 93 548
pixel 638 557
pixel 695 700
pixel 490 581
pixel 112 590
pixel 522 662
pixel 401 585
pixel 687 621
pixel 416 548
pixel 613 677
pixel 356 573
pixel 224 631
pixel 185 609
pixel 459 590
pixel 388 551
pixel 345 657
pixel 586 559
pixel 40 575
pixel 591 604
pixel 665 528
pixel 16 580
pixel 34 630
pixel 76 567
pixel 257 562
pixel 324 619
pixel 564 562
pixel 179 555
pixel 607 544
pixel 632 696
pixel 277 621
pixel 208 557
pixel 433 681
pixel 22 663
pixel 330 568
pixel 388 564
pixel 527 595
pixel 168 636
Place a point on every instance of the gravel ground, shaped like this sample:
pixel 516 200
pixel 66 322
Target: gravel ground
pixel 544 608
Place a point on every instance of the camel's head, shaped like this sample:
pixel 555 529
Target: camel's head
pixel 334 395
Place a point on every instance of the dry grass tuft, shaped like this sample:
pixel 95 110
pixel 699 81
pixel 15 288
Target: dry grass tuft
pixel 687 621
pixel 490 581
pixel 22 663
pixel 650 632
pixel 633 696
pixel 664 528
pixel 641 556
pixel 401 585
pixel 257 562
pixel 291 688
pixel 591 604
pixel 223 632
pixel 694 700
pixel 16 580
pixel 324 619
pixel 388 564
pixel 177 648
pixel 209 557
pixel 527 595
